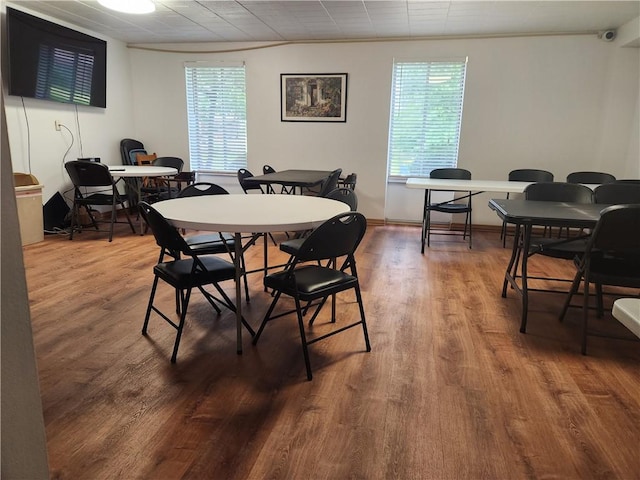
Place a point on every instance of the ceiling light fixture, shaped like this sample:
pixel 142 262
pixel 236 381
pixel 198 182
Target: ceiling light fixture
pixel 129 6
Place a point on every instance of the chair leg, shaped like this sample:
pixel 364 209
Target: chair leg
pixel 74 219
pixel 364 322
pixel 303 338
pixel 231 306
pixel 113 219
pixel 428 226
pixel 174 355
pixel 150 305
pixel 244 276
pixel 585 315
pixel 266 318
pixel 572 291
pixel 599 299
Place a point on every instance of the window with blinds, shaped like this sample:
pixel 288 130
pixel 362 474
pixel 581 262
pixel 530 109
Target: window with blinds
pixel 217 117
pixel 426 113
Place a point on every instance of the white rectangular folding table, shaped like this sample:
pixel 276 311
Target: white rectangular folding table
pixel 452 185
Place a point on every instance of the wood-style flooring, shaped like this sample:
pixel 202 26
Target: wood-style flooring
pixel 450 390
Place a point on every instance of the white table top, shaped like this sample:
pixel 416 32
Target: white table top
pixel 242 213
pixel 503 186
pixel 500 186
pixel 140 171
pixel 627 312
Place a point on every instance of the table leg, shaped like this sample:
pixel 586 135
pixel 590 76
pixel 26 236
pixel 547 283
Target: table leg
pixel 424 218
pixel 237 261
pixel 510 274
pixel 139 194
pixel 525 291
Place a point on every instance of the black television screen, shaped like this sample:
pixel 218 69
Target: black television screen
pixel 52 62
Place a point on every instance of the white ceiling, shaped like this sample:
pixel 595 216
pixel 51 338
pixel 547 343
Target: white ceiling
pixel 288 20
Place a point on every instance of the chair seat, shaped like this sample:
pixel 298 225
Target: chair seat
pixel 179 274
pixel 211 243
pixel 450 208
pixel 614 271
pixel 312 282
pixel 96 199
pixel 552 247
pixel 292 246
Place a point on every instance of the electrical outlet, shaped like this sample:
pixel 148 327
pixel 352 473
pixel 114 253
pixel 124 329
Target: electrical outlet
pixel 57 124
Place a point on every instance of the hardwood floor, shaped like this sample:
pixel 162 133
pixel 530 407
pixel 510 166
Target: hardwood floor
pixel 450 390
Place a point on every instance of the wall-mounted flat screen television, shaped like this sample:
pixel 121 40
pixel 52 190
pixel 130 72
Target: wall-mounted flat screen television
pixel 52 62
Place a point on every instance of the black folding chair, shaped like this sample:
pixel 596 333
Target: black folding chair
pixel 184 274
pixel 337 238
pixel 612 257
pixel 460 204
pixel 86 178
pixel 214 243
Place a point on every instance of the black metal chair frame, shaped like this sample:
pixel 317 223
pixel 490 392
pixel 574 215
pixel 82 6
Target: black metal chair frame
pixel 349 181
pixel 311 284
pixel 524 175
pixel 127 145
pixel 331 183
pixel 266 169
pixel 242 174
pixel 612 257
pixel 162 189
pixel 561 248
pixel 449 206
pixel 215 243
pixel 90 175
pixel 184 274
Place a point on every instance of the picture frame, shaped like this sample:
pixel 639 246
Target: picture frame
pixel 313 97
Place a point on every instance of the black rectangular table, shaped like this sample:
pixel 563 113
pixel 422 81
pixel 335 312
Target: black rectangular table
pixel 291 178
pixel 526 214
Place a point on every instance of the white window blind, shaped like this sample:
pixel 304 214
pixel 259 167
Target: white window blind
pixel 426 113
pixel 217 117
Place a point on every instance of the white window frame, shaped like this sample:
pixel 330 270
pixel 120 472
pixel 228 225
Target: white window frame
pixel 425 118
pixel 216 116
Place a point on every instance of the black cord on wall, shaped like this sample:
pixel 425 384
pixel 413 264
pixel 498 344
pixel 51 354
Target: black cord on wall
pixel 26 119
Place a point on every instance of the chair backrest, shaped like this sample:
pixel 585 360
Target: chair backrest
pixel 268 169
pixel 200 189
pixel 345 195
pixel 144 158
pixel 613 232
pixel 451 173
pixel 243 174
pixel 590 177
pixel 335 238
pixel 173 162
pixel 617 193
pixel 350 181
pixel 88 174
pixel 530 175
pixel 330 183
pixel 558 192
pixel 127 146
pixel 634 181
pixel 166 235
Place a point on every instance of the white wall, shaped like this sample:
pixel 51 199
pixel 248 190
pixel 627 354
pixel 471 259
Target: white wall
pixel 37 147
pixel 561 103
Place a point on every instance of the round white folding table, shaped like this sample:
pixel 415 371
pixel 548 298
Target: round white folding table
pixel 139 171
pixel 241 213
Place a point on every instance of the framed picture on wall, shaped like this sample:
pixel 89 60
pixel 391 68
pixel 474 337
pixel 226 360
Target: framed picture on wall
pixel 313 97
